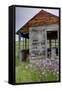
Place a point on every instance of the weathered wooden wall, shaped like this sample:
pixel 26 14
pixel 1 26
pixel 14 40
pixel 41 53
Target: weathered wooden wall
pixel 38 40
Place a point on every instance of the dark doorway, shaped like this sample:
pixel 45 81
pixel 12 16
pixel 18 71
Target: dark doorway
pixel 52 42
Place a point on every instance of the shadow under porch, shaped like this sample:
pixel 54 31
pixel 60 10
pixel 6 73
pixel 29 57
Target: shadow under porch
pixel 23 46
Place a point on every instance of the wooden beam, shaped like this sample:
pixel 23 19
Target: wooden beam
pixel 25 43
pixel 50 47
pixel 28 43
pixel 58 43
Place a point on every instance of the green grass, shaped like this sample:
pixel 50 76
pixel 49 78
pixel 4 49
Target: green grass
pixel 49 76
pixel 26 74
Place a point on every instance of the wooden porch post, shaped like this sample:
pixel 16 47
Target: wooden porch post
pixel 45 43
pixel 58 42
pixel 50 47
pixel 25 43
pixel 19 46
pixel 28 43
pixel 55 46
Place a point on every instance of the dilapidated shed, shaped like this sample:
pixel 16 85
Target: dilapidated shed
pixel 46 26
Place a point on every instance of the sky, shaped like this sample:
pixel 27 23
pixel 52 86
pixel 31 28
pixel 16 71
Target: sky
pixel 24 14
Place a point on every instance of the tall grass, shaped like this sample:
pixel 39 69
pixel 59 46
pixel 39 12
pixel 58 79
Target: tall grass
pixel 26 71
pixel 25 74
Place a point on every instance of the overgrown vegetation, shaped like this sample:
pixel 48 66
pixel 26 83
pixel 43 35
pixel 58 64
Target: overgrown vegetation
pixel 27 72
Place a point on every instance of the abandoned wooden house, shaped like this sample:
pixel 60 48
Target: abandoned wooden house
pixel 40 37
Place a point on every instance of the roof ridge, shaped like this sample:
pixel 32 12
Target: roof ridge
pixel 41 11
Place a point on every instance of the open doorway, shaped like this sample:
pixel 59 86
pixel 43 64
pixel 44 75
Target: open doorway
pixel 52 43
